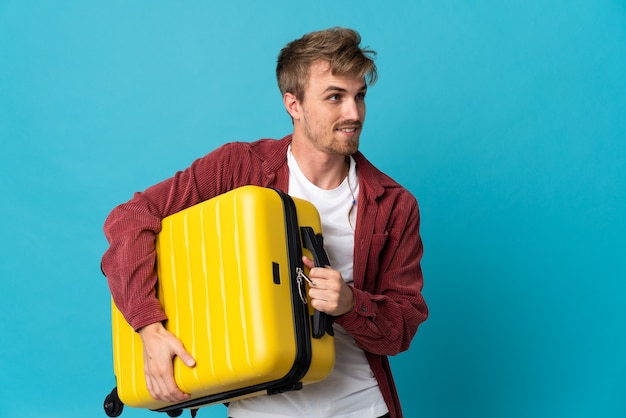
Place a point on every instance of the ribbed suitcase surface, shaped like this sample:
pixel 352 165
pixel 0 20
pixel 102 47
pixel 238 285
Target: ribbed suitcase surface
pixel 228 282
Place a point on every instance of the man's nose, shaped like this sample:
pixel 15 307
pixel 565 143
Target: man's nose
pixel 351 110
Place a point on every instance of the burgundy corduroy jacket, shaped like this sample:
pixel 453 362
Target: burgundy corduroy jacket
pixel 388 303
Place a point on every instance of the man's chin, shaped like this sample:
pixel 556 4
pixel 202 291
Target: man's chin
pixel 347 148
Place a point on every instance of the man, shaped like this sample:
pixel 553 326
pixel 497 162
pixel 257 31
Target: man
pixel 370 224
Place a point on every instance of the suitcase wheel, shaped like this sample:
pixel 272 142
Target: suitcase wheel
pixel 175 413
pixel 113 407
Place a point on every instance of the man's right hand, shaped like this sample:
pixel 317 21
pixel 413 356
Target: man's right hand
pixel 159 348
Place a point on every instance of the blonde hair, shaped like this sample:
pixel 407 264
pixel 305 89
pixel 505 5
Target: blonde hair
pixel 340 47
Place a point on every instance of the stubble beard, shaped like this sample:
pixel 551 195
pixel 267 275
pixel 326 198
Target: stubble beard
pixel 331 144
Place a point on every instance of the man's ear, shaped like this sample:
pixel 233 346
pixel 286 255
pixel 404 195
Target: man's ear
pixel 292 105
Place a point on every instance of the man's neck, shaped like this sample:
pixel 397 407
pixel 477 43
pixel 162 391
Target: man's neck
pixel 326 171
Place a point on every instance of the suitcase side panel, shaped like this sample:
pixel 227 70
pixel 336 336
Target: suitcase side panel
pixel 318 364
pixel 247 327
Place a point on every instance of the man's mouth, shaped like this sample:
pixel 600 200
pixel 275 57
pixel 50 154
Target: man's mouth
pixel 348 129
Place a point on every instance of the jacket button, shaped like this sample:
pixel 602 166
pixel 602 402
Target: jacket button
pixel 363 308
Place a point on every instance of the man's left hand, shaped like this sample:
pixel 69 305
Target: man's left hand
pixel 329 293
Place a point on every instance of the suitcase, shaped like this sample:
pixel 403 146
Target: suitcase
pixel 232 283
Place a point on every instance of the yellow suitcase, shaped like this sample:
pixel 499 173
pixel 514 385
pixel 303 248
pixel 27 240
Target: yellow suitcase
pixel 231 283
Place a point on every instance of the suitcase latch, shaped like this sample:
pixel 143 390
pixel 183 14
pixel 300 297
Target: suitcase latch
pixel 300 278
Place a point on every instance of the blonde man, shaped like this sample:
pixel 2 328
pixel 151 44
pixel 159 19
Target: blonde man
pixel 370 224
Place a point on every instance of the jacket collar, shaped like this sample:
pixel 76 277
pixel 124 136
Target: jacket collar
pixel 273 155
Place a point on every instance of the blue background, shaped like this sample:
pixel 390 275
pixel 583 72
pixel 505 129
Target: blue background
pixel 507 120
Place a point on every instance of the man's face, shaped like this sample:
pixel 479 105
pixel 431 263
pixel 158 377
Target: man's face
pixel 333 111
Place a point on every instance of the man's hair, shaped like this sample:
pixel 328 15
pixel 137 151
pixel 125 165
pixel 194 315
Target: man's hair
pixel 340 47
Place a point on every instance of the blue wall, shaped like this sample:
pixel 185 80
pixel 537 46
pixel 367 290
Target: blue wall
pixel 507 120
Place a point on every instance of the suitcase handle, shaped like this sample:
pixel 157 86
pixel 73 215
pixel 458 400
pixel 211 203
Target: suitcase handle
pixel 321 322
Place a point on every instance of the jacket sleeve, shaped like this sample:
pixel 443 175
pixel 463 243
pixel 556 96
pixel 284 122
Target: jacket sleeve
pixel 388 302
pixel 131 228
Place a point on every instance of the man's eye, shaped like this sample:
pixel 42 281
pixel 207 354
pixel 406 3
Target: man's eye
pixel 333 97
pixel 360 96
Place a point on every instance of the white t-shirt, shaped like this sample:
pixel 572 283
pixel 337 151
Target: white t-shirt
pixel 351 390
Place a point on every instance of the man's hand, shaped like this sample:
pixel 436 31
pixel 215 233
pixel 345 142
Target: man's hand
pixel 329 293
pixel 159 348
